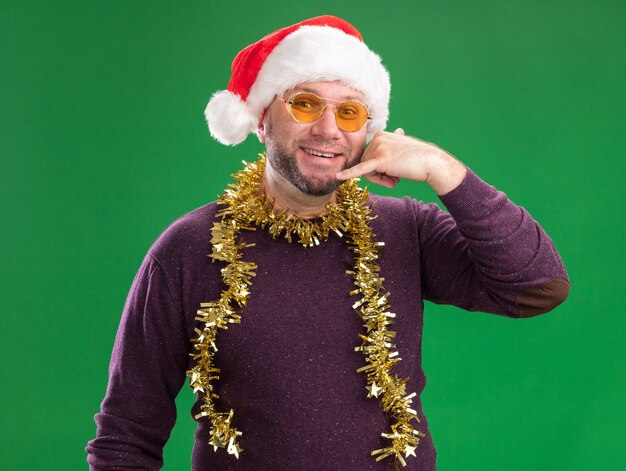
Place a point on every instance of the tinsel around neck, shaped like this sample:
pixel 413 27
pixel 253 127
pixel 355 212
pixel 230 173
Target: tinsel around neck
pixel 245 202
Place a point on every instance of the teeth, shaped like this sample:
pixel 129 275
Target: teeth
pixel 319 154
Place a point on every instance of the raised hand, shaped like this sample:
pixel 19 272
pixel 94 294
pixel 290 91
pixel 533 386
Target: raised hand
pixel 392 156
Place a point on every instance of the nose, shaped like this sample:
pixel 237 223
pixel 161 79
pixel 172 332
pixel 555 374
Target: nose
pixel 326 125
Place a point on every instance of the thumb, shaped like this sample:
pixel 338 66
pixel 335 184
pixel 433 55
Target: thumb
pixel 399 131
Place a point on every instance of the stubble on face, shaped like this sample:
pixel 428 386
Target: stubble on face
pixel 282 157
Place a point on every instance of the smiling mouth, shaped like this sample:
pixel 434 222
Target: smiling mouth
pixel 316 153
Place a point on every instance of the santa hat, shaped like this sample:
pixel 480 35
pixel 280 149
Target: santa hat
pixel 324 48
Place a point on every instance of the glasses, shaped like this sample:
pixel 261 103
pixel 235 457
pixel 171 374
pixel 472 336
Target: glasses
pixel 307 107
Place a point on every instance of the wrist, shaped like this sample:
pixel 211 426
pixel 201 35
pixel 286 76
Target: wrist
pixel 445 173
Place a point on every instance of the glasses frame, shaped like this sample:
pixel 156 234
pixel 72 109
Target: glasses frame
pixel 289 101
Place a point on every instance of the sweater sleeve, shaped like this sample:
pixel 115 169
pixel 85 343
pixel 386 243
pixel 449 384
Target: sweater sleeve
pixel 146 373
pixel 488 254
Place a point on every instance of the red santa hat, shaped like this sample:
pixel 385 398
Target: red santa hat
pixel 324 48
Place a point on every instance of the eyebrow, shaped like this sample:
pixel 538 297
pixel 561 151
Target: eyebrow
pixel 310 90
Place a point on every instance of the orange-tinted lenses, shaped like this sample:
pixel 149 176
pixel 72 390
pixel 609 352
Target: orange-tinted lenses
pixel 307 107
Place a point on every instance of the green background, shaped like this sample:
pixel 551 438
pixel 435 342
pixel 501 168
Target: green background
pixel 103 143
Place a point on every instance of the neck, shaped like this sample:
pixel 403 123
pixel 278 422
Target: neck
pixel 287 197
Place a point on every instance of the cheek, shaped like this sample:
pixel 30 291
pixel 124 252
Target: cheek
pixel 358 144
pixel 281 130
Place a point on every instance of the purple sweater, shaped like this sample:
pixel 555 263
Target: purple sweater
pixel 289 368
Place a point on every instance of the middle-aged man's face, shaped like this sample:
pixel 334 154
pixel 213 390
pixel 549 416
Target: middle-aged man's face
pixel 288 142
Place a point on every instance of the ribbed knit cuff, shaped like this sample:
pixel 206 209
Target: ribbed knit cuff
pixel 473 197
pixel 481 211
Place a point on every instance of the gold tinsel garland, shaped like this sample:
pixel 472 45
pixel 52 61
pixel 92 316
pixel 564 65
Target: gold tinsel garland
pixel 246 207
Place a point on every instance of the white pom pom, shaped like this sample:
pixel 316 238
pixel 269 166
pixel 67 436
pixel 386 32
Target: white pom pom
pixel 230 120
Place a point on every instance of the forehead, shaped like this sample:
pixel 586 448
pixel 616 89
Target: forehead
pixel 335 90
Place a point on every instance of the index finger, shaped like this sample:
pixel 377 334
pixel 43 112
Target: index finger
pixel 363 168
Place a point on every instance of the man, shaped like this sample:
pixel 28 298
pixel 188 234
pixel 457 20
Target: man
pixel 301 333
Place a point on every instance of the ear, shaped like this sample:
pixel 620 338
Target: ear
pixel 260 132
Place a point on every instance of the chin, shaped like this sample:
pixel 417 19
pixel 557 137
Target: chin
pixel 316 188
